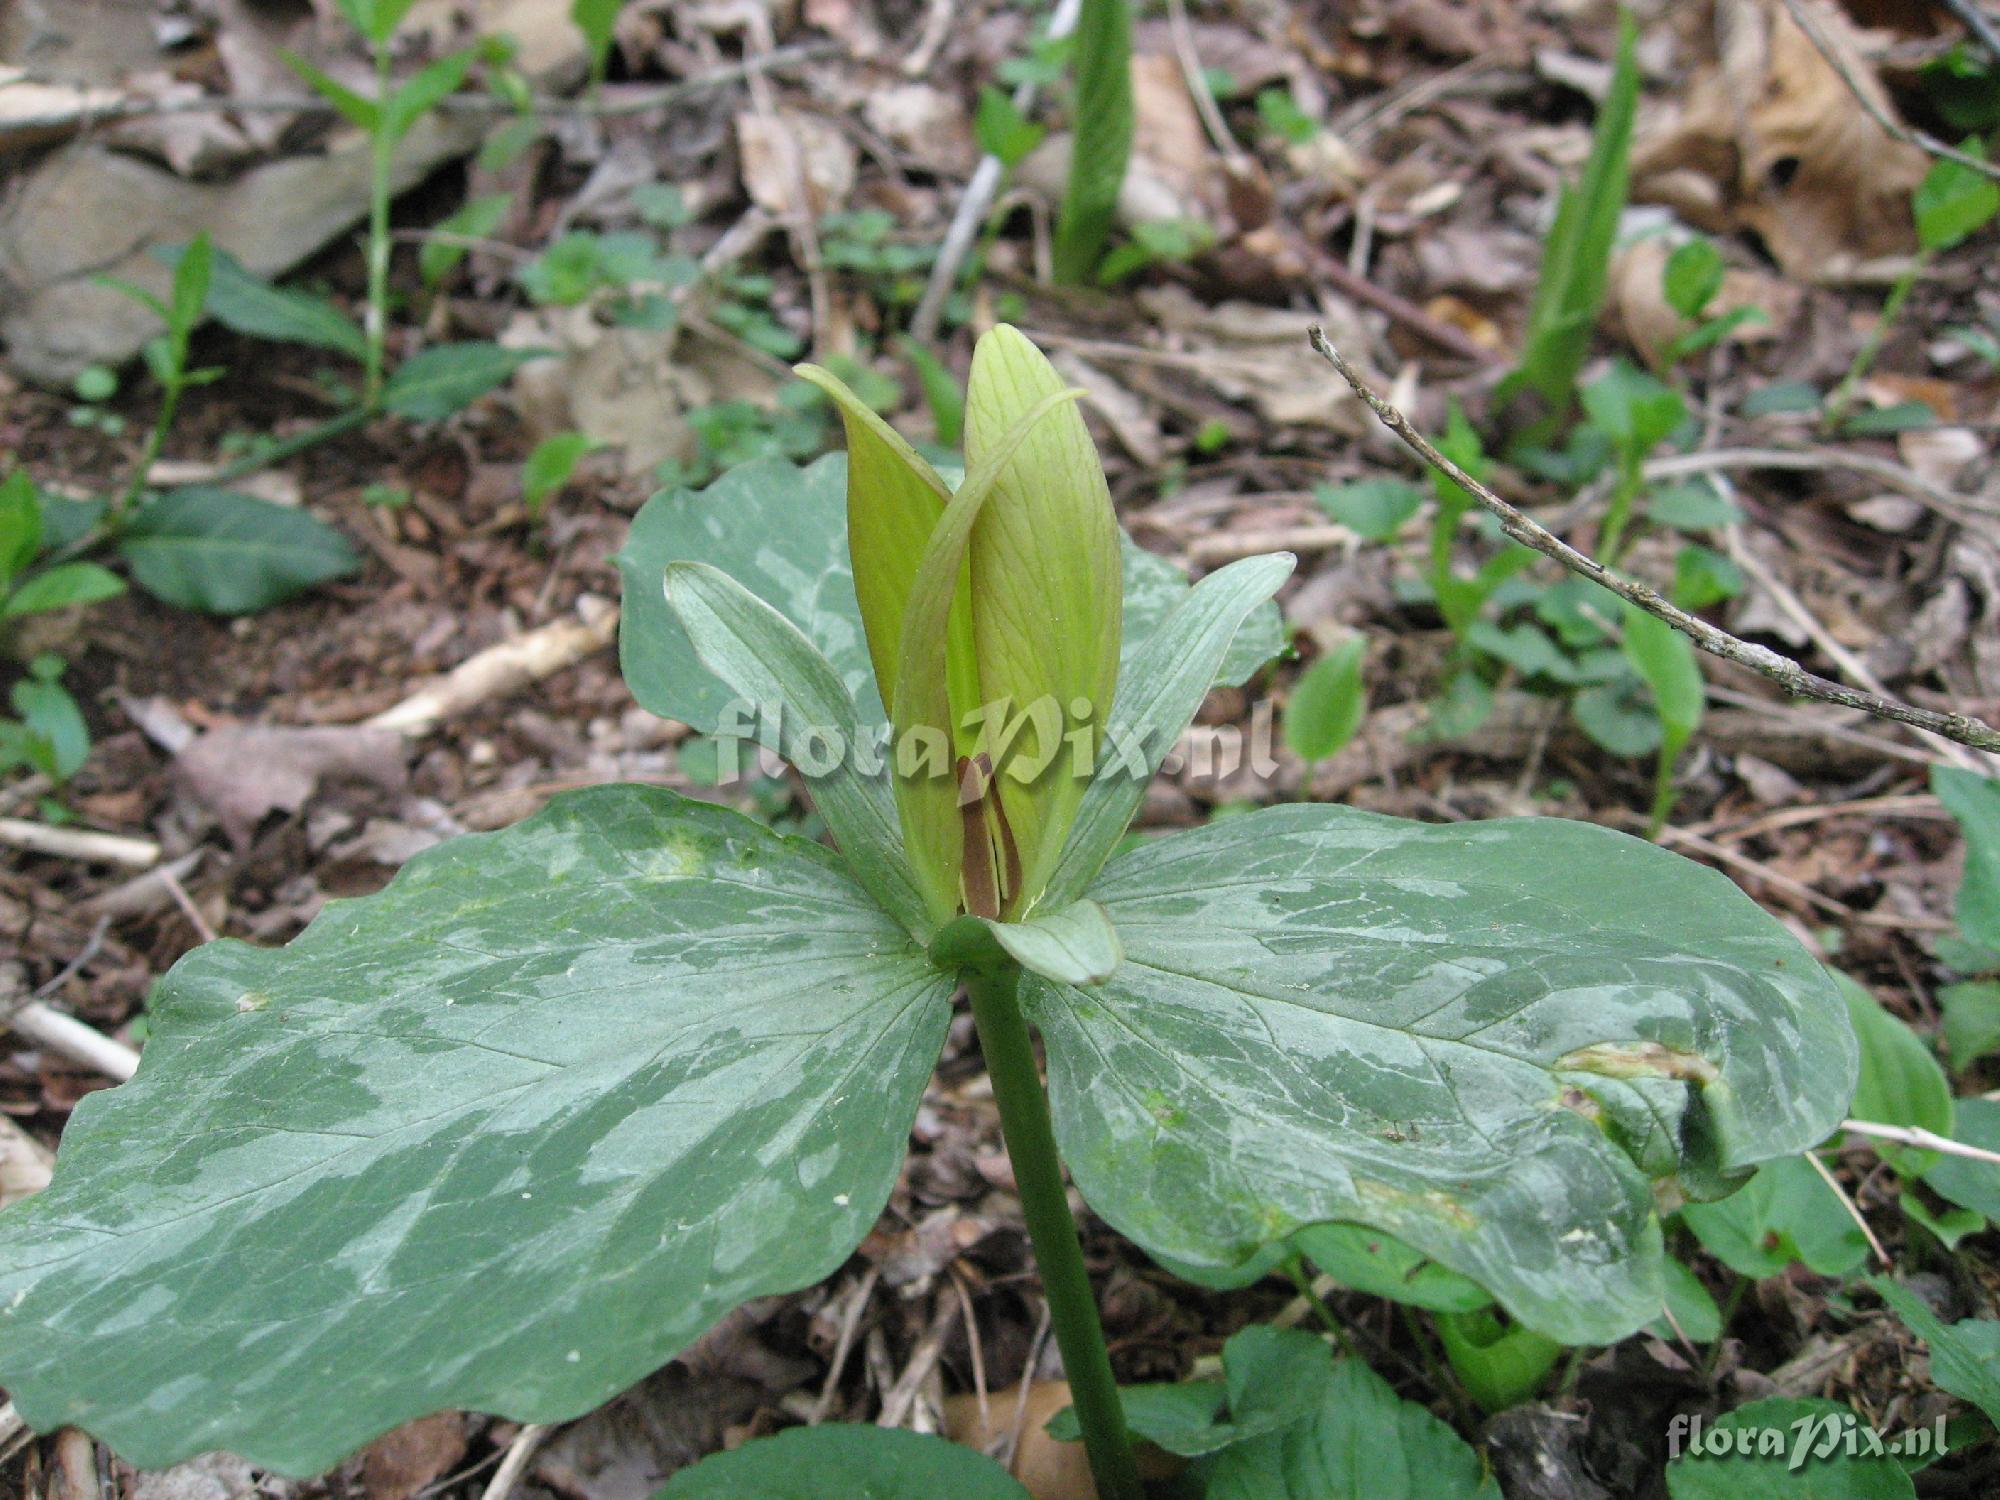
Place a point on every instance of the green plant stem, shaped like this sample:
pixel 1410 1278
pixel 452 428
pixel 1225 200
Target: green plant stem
pixel 1295 1268
pixel 1031 1146
pixel 291 447
pixel 378 232
pixel 1864 357
pixel 170 400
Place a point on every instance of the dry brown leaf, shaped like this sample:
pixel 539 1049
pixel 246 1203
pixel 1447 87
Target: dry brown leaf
pixel 1168 141
pixel 400 1463
pixel 243 773
pixel 1249 352
pixel 926 124
pixel 1049 1470
pixel 793 153
pixel 25 1163
pixel 1770 139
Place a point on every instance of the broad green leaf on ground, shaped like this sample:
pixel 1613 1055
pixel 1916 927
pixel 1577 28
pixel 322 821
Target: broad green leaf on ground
pixel 475 219
pixel 1971 1020
pixel 449 377
pixel 1965 1357
pixel 1770 1458
pixel 1475 1037
pixel 250 305
pixel 549 467
pixel 1375 508
pixel 1368 1260
pixel 781 531
pixel 1691 1310
pixel 1953 201
pixel 1272 1378
pixel 1364 1443
pixel 1975 801
pixel 228 554
pixel 852 1462
pixel 1785 1213
pixel 1965 1181
pixel 500 1137
pixel 1900 1082
pixel 1328 702
pixel 60 587
pixel 20 524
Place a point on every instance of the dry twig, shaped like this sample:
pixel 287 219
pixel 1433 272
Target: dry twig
pixel 86 114
pixel 1788 674
pixel 1868 99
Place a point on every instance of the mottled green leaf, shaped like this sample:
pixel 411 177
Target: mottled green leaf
pixel 803 712
pixel 1476 1037
pixel 505 1136
pixel 1160 687
pixel 781 530
pixel 1073 944
pixel 851 1462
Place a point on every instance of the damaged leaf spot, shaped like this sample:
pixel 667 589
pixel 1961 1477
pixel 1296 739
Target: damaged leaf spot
pixel 1640 1060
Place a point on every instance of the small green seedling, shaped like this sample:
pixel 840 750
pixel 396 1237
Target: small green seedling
pixel 1951 204
pixel 1101 126
pixel 1576 264
pixel 515 1130
pixel 200 547
pixel 1690 281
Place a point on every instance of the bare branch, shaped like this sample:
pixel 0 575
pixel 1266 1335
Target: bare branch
pixel 1788 674
pixel 1978 23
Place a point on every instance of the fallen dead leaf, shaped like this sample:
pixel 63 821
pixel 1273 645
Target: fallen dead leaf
pixel 25 1164
pixel 790 152
pixel 1249 352
pixel 400 1463
pixel 241 774
pixel 926 123
pixel 1049 1470
pixel 1769 138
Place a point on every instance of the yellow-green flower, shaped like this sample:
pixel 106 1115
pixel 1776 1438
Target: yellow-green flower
pixel 993 619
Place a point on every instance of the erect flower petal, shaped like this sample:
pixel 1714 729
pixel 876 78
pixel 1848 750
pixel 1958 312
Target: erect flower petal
pixel 894 499
pixel 1047 596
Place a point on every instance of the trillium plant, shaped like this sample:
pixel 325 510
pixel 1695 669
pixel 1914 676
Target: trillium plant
pixel 512 1132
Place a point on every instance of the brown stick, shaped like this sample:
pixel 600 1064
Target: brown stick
pixel 1788 674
